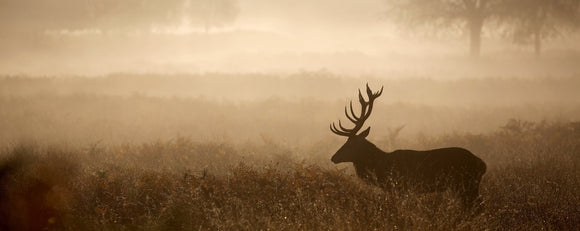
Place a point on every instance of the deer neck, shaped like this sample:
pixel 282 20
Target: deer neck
pixel 370 158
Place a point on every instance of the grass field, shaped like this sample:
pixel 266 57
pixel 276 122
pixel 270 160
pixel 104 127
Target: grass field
pixel 113 159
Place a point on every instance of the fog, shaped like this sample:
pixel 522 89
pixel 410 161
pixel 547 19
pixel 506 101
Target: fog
pixel 223 114
pixel 301 61
pixel 283 37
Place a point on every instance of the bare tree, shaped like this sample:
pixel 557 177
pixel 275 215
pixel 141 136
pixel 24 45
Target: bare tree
pixel 424 171
pixel 533 21
pixel 445 14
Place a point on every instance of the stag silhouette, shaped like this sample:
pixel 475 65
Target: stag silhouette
pixel 435 170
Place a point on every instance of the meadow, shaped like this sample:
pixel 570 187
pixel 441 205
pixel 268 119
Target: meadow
pixel 213 152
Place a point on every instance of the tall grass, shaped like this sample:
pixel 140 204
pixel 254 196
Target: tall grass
pixel 180 184
pixel 154 153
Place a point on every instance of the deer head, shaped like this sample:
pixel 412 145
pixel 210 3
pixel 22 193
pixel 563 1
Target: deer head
pixel 356 145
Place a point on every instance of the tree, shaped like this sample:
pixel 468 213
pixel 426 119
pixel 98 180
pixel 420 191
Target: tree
pixel 470 14
pixel 211 13
pixel 134 14
pixel 537 20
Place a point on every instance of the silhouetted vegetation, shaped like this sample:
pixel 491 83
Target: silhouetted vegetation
pixel 180 184
pixel 528 20
pixel 444 15
pixel 533 22
pixel 144 152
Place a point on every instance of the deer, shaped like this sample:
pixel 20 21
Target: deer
pixel 437 170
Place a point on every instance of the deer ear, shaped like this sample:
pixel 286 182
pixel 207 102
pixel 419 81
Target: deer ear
pixel 365 133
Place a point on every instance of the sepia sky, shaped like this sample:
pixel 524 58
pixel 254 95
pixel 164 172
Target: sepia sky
pixel 312 16
pixel 283 36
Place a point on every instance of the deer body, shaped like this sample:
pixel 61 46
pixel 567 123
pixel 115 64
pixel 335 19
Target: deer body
pixel 435 170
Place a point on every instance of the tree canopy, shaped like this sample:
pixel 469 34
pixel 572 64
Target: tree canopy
pixel 532 21
pixel 524 19
pixel 469 14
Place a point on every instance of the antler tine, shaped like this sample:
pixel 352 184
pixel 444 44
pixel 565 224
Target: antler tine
pixel 333 128
pixel 338 132
pixel 345 129
pixel 361 99
pixel 353 118
pixel 372 95
pixel 366 108
pixel 380 92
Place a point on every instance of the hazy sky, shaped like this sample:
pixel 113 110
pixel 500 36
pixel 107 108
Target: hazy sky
pixel 315 15
pixel 343 36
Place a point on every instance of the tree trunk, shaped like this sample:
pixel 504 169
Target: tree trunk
pixel 538 27
pixel 475 27
pixel 537 43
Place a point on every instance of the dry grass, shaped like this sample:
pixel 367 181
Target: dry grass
pixel 94 161
pixel 532 184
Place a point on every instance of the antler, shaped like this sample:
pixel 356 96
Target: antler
pixel 366 109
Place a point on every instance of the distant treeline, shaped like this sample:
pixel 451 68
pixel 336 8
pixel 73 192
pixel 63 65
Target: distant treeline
pixel 320 85
pixel 30 16
pixel 523 21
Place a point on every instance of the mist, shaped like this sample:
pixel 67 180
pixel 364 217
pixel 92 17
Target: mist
pixel 348 38
pixel 441 72
pixel 230 115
